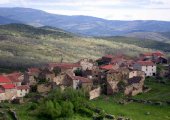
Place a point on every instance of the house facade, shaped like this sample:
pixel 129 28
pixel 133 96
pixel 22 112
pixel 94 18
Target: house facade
pixel 22 90
pixel 148 67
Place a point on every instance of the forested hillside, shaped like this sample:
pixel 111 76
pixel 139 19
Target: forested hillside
pixel 23 45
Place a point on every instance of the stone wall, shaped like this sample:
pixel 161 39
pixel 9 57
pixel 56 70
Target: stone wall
pixel 95 93
pixel 44 88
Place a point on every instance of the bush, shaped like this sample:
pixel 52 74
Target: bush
pixel 33 106
pixel 85 111
pixel 67 109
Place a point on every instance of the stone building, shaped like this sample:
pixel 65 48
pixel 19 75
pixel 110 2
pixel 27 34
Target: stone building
pixel 146 66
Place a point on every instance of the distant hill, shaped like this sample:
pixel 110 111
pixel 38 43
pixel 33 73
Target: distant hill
pixel 4 20
pixel 30 31
pixel 158 36
pixel 84 25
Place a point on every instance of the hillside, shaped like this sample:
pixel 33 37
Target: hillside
pixel 84 25
pixel 145 43
pixel 157 36
pixel 24 45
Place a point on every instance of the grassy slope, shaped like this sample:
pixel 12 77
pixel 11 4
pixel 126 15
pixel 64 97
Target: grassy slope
pixel 156 45
pixel 136 111
pixel 159 91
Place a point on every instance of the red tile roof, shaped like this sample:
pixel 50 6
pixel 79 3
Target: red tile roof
pixel 23 87
pixel 8 86
pixel 106 67
pixel 157 53
pixel 64 65
pixel 108 56
pixel 146 54
pixel 14 77
pixel 146 63
pixel 4 79
pixel 82 79
pixel 33 70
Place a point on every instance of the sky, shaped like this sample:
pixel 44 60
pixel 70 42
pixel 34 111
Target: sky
pixel 107 9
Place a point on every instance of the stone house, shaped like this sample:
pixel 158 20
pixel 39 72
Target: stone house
pixel 16 78
pixel 112 79
pixel 59 78
pixel 47 75
pixel 86 64
pixel 9 90
pixel 2 95
pixel 122 75
pixel 156 57
pixel 77 82
pixel 134 86
pixel 146 66
pixel 22 90
pixel 30 76
pixel 63 67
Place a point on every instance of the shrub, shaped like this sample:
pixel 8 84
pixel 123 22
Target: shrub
pixel 67 109
pixel 86 111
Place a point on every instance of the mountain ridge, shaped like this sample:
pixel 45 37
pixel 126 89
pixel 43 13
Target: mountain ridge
pixel 84 25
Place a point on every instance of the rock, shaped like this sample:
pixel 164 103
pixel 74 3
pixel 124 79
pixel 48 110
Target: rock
pixel 108 116
pixel 120 118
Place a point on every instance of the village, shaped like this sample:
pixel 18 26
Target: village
pixel 106 75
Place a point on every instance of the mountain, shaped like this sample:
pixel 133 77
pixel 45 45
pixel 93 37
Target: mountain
pixel 158 36
pixel 4 20
pixel 84 25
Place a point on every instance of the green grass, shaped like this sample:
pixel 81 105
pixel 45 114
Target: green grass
pixel 136 111
pixel 159 91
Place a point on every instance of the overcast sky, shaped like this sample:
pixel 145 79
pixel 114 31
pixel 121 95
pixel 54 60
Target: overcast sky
pixel 108 9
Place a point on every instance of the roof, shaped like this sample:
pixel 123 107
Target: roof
pixel 136 79
pixel 108 56
pixel 4 79
pixel 146 54
pixel 157 53
pixel 8 86
pixel 82 79
pixel 146 63
pixel 107 67
pixel 33 70
pixel 64 65
pixel 22 87
pixel 14 77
